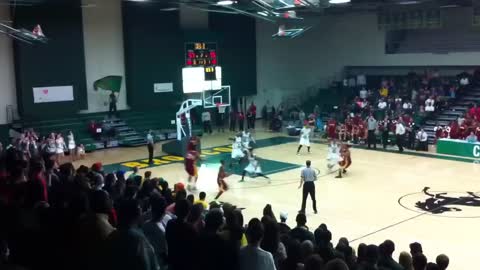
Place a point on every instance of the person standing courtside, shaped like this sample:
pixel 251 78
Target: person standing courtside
pixel 112 108
pixel 207 122
pixel 150 146
pixel 400 133
pixel 422 138
pixel 372 128
pixel 308 178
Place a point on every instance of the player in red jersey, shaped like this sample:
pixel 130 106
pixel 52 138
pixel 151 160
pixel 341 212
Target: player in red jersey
pixel 222 185
pixel 331 128
pixel 191 168
pixel 345 162
pixel 191 162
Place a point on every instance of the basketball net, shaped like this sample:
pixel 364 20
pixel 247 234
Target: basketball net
pixel 220 107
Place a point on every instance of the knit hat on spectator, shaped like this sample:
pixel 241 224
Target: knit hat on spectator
pixel 98 167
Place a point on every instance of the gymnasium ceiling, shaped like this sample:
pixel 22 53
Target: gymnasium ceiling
pixel 275 4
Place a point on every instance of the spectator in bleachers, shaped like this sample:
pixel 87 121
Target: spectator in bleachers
pixel 472 111
pixel 127 247
pixel 419 262
pixel 202 200
pixel 181 237
pixel 154 232
pixel 386 250
pixel 314 262
pixel 252 257
pixel 407 107
pixel 430 104
pixel 371 257
pixel 416 248
pixel 442 261
pixel 283 226
pixel 405 259
pixel 294 258
pixel 363 94
pixel 301 231
pixel 472 138
pixel 195 218
pixel 383 92
pixel 271 240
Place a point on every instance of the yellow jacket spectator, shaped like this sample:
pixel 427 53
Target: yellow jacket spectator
pixel 383 92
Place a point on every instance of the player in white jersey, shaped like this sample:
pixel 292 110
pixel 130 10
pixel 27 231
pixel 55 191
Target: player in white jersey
pixel 304 138
pixel 237 150
pixel 247 139
pixel 333 155
pixel 253 168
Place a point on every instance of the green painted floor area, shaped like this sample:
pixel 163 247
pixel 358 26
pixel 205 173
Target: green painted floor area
pixel 268 166
pixel 212 156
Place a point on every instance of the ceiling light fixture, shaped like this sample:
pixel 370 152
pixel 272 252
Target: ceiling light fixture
pixel 339 1
pixel 226 2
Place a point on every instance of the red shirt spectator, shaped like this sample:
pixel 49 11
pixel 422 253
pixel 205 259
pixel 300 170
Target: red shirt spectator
pixel 252 109
pixel 331 128
pixel 37 188
pixel 472 112
pixel 356 120
pixel 407 119
pixel 454 130
pixel 241 116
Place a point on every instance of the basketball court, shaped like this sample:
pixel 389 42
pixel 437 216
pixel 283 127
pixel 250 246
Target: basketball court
pixel 376 200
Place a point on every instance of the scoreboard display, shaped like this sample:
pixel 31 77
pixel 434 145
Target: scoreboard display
pixel 198 54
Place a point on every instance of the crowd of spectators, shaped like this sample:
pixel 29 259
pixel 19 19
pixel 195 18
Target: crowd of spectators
pixel 465 127
pixel 82 218
pixel 54 146
pixel 409 100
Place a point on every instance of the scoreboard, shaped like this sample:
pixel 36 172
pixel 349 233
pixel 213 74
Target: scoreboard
pixel 199 54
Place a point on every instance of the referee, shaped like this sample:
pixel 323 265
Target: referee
pixel 308 178
pixel 150 144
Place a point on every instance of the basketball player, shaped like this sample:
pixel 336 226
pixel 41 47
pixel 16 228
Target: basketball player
pixel 191 163
pixel 304 138
pixel 222 185
pixel 247 139
pixel 333 155
pixel 345 161
pixel 253 168
pixel 237 150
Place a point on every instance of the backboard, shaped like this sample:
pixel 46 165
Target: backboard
pixel 216 98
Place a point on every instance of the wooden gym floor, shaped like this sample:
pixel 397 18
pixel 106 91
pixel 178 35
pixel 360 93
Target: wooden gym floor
pixel 375 201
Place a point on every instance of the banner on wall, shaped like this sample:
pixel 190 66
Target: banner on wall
pixel 52 94
pixel 162 87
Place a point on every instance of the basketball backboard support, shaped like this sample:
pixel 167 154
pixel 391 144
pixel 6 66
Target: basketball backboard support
pixel 215 98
